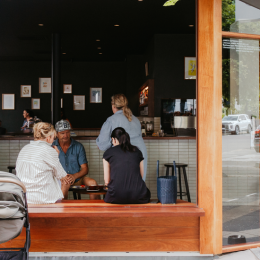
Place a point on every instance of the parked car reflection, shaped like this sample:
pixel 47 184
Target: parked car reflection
pixel 234 124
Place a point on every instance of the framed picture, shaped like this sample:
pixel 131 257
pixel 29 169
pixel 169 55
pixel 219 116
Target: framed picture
pixel 190 68
pixel 79 102
pixel 61 102
pixel 44 85
pixel 67 88
pixel 95 95
pixel 26 90
pixel 36 103
pixel 8 101
pixel 146 69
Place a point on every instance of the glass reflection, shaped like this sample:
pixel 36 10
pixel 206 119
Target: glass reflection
pixel 241 16
pixel 240 143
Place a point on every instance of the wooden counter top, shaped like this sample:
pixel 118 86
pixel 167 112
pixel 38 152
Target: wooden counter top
pixel 91 208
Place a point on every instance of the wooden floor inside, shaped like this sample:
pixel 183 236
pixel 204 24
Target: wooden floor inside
pixel 95 226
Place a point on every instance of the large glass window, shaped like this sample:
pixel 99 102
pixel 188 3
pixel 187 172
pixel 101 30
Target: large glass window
pixel 240 141
pixel 242 16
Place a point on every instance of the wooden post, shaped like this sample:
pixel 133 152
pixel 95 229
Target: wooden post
pixel 209 139
pixel 55 78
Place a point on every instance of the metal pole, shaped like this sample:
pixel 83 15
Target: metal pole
pixel 55 78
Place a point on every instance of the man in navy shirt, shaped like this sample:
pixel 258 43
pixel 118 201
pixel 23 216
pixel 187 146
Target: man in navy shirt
pixel 72 158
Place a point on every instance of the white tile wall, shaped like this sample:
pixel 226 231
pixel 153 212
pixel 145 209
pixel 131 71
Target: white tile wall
pixel 87 132
pixel 166 151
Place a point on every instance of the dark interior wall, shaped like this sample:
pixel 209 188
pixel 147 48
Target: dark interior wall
pixel 149 56
pixel 111 76
pixel 169 81
pixel 134 80
pixel 165 55
pixel 12 75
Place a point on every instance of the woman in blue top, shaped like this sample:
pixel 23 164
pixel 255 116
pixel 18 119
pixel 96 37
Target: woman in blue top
pixel 124 118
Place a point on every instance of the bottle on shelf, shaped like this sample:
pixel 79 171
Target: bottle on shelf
pixel 143 127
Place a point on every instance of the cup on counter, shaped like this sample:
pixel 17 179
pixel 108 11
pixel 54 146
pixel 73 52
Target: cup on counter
pixel 161 133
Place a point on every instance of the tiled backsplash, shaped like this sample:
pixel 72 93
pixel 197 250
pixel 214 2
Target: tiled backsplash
pixel 86 132
pixel 182 151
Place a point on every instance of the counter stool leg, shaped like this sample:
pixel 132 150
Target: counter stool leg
pixel 167 171
pixel 186 184
pixel 79 196
pixel 179 171
pixel 75 195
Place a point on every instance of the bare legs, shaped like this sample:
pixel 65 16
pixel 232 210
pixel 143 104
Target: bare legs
pixel 86 181
pixel 91 182
pixel 65 189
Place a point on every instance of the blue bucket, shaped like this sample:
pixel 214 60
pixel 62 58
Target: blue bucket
pixel 167 187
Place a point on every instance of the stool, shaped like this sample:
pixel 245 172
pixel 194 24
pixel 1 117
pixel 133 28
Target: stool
pixel 10 168
pixel 179 166
pixel 80 191
pixel 75 194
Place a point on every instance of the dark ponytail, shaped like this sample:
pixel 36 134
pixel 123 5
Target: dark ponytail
pixel 30 112
pixel 123 138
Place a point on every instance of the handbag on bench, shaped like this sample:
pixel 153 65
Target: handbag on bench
pixel 167 187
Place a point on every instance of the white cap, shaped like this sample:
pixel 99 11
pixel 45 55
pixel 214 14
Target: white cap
pixel 62 125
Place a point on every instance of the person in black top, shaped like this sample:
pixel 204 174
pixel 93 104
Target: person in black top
pixel 123 171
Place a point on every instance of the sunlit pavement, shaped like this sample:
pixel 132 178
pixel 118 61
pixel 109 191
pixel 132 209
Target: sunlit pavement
pixel 240 164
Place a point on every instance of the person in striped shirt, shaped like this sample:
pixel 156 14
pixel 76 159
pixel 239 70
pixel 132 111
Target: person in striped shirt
pixel 38 167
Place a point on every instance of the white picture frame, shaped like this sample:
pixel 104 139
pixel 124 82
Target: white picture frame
pixel 44 85
pixel 190 68
pixel 26 91
pixel 95 95
pixel 36 103
pixel 78 102
pixel 8 101
pixel 67 88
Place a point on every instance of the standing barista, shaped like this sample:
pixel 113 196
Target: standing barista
pixel 122 117
pixel 27 114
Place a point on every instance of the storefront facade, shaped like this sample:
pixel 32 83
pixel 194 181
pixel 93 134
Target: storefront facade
pixel 208 228
pixel 225 186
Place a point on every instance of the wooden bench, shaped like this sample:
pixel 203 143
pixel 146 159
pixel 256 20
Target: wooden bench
pixel 95 226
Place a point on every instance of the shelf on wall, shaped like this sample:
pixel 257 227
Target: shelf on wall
pixel 144 105
pixel 150 102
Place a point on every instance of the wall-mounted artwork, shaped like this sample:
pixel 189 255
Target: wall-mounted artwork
pixel 8 101
pixel 79 102
pixel 36 103
pixel 190 68
pixel 95 95
pixel 44 85
pixel 26 90
pixel 67 88
pixel 61 102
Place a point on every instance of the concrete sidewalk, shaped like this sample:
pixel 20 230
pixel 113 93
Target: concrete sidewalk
pixel 122 256
pixel 252 254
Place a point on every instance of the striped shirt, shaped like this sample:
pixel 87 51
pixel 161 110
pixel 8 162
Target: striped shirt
pixel 38 167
